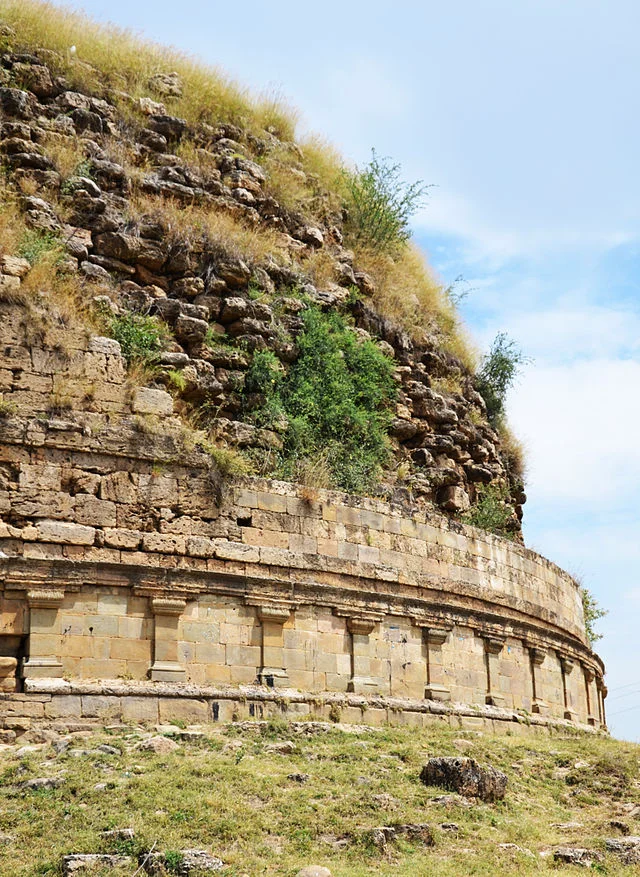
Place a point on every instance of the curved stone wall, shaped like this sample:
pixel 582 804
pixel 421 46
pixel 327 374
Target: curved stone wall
pixel 123 558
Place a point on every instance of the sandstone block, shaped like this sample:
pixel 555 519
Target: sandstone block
pixel 122 538
pixel 95 512
pixel 148 401
pixel 65 533
pixel 183 709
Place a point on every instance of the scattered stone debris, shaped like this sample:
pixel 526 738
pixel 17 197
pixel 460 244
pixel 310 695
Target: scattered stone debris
pixel 119 834
pixel 418 832
pixel 450 801
pixel 465 776
pixel 159 745
pixel 42 783
pixel 627 848
pixel 287 747
pixel 514 848
pixel 76 863
pixel 567 826
pixel 299 777
pixel 449 826
pixel 621 826
pixel 189 861
pixel 577 856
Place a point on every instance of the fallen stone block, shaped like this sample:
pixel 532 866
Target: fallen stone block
pixel 577 856
pixel 466 777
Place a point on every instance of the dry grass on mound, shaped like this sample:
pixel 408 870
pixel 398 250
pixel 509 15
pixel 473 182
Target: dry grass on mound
pixel 109 57
pixel 232 793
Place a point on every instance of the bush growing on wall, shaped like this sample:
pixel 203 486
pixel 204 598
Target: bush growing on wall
pixel 380 204
pixel 336 400
pixel 497 373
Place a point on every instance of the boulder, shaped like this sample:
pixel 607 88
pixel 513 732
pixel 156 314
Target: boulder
pixel 466 777
pixel 166 84
pixel 15 102
pixel 577 856
pixel 158 745
pixel 627 848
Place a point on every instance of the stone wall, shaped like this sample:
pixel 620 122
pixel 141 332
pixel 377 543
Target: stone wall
pixel 124 557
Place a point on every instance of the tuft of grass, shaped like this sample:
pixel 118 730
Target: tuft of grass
pixel 408 292
pixel 36 246
pixel 7 407
pixel 230 462
pixel 492 511
pixel 141 337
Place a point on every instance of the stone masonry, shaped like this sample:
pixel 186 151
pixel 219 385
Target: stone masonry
pixel 136 584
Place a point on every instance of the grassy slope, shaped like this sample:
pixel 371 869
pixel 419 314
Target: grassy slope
pixel 228 793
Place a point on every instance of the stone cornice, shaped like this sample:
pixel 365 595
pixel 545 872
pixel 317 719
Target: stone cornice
pixel 356 597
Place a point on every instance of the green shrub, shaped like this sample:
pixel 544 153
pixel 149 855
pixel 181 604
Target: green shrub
pixel 35 245
pixel 141 337
pixel 497 373
pixel 380 204
pixel 492 511
pixel 335 400
pixel 592 613
pixel 173 860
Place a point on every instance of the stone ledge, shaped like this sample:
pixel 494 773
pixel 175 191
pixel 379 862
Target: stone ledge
pixel 132 697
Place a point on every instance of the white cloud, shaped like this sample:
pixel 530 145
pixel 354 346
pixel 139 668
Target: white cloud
pixel 582 430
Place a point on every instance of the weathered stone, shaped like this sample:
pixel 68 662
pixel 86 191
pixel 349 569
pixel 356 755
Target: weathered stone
pixel 166 84
pixel 454 499
pixel 148 401
pixel 65 532
pixel 627 848
pixel 158 745
pixel 466 777
pixel 79 863
pixel 169 126
pixel 577 856
pixel 15 102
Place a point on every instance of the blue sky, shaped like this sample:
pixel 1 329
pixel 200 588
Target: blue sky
pixel 524 117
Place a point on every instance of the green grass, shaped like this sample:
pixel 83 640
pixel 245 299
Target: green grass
pixel 229 793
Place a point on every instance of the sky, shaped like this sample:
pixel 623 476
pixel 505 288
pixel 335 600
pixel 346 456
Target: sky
pixel 523 117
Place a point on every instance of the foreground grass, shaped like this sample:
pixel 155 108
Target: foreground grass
pixel 229 791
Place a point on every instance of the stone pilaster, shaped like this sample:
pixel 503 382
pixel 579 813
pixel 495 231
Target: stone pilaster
pixel 589 678
pixel 434 638
pixel 361 682
pixel 602 693
pixel 273 672
pixel 44 635
pixel 536 660
pixel 566 668
pixel 493 646
pixel 166 667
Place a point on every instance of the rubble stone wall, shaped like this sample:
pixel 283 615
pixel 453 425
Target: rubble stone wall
pixel 125 557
